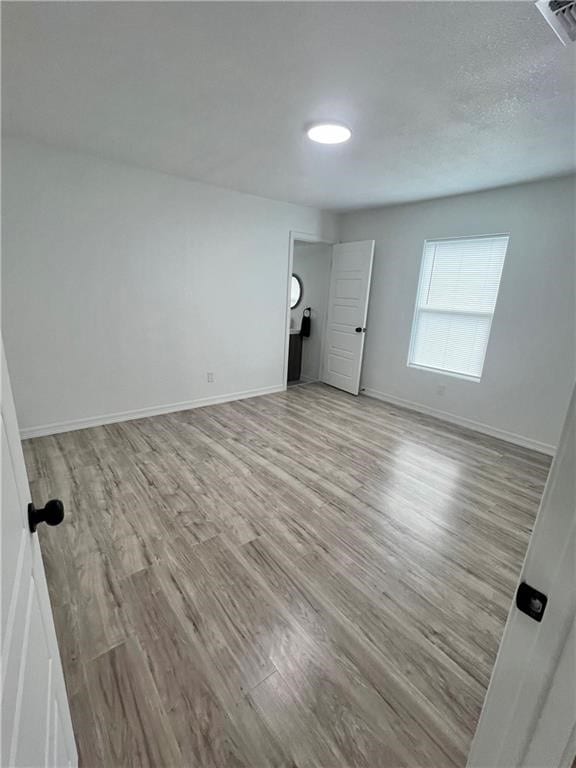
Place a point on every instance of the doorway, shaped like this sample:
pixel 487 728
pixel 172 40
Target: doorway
pixel 308 305
pixel 328 295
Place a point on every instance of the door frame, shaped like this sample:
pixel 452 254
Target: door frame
pixel 304 237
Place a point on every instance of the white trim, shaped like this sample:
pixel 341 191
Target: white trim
pixel 476 426
pixel 464 237
pixel 446 372
pixel 142 413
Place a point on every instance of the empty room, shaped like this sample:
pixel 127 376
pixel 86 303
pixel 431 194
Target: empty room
pixel 288 362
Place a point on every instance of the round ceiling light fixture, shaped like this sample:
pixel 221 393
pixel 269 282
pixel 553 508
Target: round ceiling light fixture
pixel 329 133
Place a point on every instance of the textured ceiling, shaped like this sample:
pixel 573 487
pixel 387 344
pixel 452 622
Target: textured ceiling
pixel 442 98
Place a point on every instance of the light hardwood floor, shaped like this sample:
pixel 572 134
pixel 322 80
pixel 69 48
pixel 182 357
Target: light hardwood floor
pixel 302 579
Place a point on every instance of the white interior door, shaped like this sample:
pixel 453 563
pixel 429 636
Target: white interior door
pixel 529 715
pixel 36 725
pixel 347 311
pixel 553 742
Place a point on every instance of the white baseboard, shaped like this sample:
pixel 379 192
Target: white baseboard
pixel 141 413
pixel 111 418
pixel 476 426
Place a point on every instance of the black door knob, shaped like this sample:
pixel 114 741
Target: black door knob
pixel 360 329
pixel 51 514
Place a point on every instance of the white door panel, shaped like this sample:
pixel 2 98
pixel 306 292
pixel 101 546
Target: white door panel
pixel 60 751
pixel 347 311
pixel 13 539
pixel 344 315
pixel 36 724
pixel 348 288
pixel 343 342
pixel 553 740
pixel 341 366
pixel 34 691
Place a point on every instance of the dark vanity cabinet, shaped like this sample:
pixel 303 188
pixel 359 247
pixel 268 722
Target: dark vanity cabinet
pixel 294 357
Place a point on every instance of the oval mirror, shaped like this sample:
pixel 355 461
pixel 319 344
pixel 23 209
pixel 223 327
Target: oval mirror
pixel 295 291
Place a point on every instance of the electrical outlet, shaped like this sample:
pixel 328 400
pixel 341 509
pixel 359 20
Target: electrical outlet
pixel 440 389
pixel 210 377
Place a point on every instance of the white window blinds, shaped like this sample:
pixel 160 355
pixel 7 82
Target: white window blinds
pixel 459 282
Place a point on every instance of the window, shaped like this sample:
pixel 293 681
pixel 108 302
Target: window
pixel 295 291
pixel 459 281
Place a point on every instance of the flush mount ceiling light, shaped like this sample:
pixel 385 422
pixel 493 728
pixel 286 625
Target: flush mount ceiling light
pixel 329 133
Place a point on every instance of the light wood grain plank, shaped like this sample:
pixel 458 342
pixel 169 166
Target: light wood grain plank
pixel 301 579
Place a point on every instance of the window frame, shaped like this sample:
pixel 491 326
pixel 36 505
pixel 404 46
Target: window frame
pixel 471 313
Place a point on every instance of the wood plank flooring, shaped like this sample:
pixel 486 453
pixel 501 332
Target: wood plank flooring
pixel 302 579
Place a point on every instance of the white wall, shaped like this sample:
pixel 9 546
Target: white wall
pixel 123 287
pixel 312 263
pixel 530 363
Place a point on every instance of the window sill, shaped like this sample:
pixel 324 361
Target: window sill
pixel 453 374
